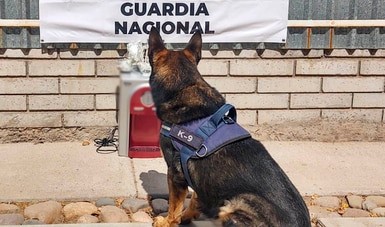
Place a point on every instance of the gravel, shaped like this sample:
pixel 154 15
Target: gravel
pixel 143 211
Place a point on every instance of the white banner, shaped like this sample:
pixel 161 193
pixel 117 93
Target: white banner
pixel 122 21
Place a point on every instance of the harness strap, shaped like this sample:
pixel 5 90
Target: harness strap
pixel 185 155
pixel 205 130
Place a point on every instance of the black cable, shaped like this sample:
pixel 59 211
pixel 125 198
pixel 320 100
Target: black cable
pixel 107 145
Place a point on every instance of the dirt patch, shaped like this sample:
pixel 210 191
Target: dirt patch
pixel 320 131
pixel 42 135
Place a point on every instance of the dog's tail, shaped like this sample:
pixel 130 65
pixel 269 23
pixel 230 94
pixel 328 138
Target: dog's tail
pixel 248 210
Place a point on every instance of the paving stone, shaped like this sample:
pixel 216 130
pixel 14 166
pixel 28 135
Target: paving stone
pixel 134 204
pixel 33 222
pixel 113 214
pixel 368 205
pixel 11 219
pixel 328 201
pixel 355 213
pixel 75 210
pixel 159 205
pixel 8 208
pixel 205 223
pixel 379 211
pixel 355 201
pixel 321 212
pixel 351 222
pixel 105 202
pixel 141 216
pixel 379 200
pixel 88 218
pixel 47 212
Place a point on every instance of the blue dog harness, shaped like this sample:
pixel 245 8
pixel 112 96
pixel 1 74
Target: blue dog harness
pixel 201 138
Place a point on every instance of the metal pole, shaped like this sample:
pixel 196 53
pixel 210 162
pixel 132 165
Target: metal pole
pixel 291 23
pixel 335 23
pixel 19 23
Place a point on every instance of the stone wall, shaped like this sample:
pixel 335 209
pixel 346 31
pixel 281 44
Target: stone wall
pixel 66 90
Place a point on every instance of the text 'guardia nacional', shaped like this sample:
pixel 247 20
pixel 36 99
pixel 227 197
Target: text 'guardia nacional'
pixel 185 11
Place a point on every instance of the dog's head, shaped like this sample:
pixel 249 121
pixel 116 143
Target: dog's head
pixel 174 69
pixel 178 89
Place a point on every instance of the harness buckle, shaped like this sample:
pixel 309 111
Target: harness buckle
pixel 228 120
pixel 201 155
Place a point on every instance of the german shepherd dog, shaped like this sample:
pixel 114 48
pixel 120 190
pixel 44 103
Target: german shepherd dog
pixel 240 184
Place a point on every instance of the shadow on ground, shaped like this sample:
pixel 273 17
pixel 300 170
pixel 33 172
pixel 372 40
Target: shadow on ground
pixel 155 184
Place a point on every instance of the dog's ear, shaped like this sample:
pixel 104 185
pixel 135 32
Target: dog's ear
pixel 195 46
pixel 155 43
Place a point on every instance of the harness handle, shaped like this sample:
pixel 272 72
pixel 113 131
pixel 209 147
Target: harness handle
pixel 226 113
pixel 223 113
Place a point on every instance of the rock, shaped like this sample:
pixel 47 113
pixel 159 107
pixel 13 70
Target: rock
pixel 368 205
pixel 113 214
pixel 379 211
pixel 328 201
pixel 355 201
pixel 355 213
pixel 141 216
pixel 86 143
pixel 133 204
pixel 159 205
pixel 75 210
pixel 46 212
pixel 378 200
pixel 163 214
pixel 33 222
pixel 105 202
pixel 8 208
pixel 11 219
pixel 88 218
pixel 321 212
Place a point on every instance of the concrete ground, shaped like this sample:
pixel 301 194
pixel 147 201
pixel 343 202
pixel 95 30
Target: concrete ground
pixel 70 171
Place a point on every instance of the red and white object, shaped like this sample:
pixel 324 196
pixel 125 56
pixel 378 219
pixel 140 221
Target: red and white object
pixel 138 124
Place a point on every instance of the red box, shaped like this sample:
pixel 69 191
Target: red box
pixel 144 126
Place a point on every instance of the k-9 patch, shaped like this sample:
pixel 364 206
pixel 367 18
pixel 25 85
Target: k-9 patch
pixel 186 137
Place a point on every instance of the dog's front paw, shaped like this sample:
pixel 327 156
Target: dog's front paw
pixel 160 222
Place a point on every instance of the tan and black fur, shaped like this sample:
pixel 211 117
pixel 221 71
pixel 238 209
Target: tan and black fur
pixel 240 184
